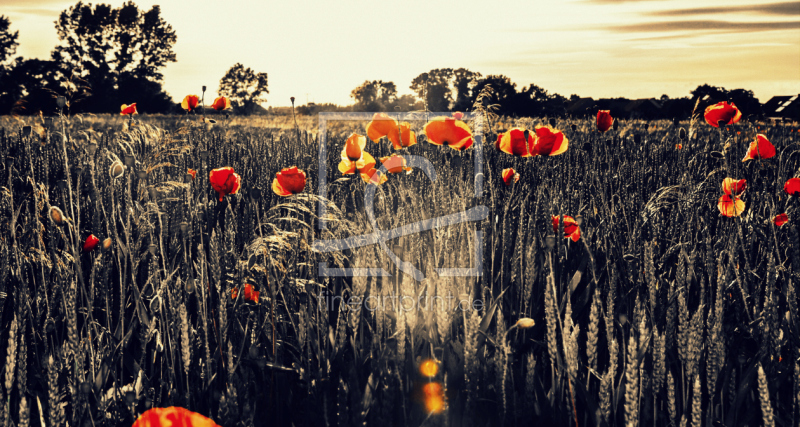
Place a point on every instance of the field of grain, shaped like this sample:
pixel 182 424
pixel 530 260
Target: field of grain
pixel 664 312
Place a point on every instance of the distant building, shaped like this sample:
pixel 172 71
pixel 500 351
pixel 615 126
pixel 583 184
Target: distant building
pixel 580 107
pixel 782 107
pixel 646 108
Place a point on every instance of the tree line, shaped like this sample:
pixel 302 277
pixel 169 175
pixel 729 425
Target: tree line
pixel 450 89
pixel 106 57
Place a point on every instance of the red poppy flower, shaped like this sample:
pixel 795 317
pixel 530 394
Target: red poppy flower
pixel 434 397
pixel 722 112
pixel 128 109
pixel 192 172
pixel 395 164
pixel 514 142
pixel 510 176
pixel 549 141
pixel 353 147
pixel 374 176
pixel 383 125
pixel 225 181
pixel 730 207
pixel 190 102
pixel 733 187
pixel 173 416
pixel 679 146
pixel 792 187
pixel 449 131
pixel 249 293
pixel 780 219
pixel 604 120
pixel 429 368
pixel 354 158
pixel 407 137
pixel 289 181
pixel 571 229
pixel 760 148
pixel 90 243
pixel 221 103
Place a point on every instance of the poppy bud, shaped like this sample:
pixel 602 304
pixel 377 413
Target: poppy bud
pixel 255 193
pixel 682 133
pixel 129 160
pixel 117 170
pixel 615 125
pixel 56 215
pixel 550 241
pixel 107 243
pixel 91 148
pixel 61 102
pixel 153 249
pixel 90 243
pixel 86 387
pixel 141 174
pixel 204 88
pixel 292 98
pixel 525 323
pixel 184 226
pixel 190 286
pixel 155 305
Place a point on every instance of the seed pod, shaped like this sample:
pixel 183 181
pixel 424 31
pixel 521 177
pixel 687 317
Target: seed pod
pixel 190 286
pixel 129 160
pixel 682 133
pixel 141 174
pixel 117 170
pixel 56 215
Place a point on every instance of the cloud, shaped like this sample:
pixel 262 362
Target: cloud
pixel 791 8
pixel 704 25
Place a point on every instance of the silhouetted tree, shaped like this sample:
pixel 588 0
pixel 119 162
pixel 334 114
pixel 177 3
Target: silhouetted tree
pixel 746 101
pixel 375 95
pixel 715 93
pixel 245 88
pixel 109 48
pixel 8 40
pixel 464 85
pixel 29 86
pixel 503 91
pixel 434 88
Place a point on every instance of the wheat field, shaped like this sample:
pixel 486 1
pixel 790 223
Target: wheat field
pixel 662 313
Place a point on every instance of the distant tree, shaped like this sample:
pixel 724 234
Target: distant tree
pixel 245 88
pixel 109 48
pixel 375 95
pixel 746 102
pixel 714 93
pixel 464 83
pixel 408 103
pixel 8 40
pixel 123 40
pixel 434 88
pixel 504 92
pixel 29 86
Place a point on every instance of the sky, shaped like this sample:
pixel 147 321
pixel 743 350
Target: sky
pixel 319 51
